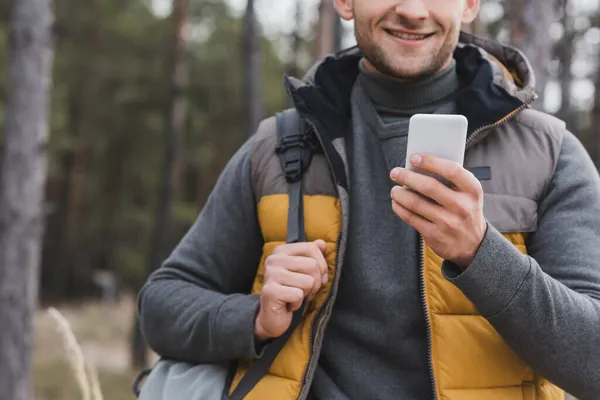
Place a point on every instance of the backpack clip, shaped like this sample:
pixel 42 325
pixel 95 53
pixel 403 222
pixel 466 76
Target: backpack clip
pixel 295 152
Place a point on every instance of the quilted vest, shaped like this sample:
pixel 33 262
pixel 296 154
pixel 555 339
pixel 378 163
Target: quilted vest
pixel 468 359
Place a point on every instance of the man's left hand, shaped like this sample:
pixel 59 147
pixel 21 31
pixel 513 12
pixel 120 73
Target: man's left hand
pixel 453 224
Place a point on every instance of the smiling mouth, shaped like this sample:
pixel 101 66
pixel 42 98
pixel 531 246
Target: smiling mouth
pixel 408 36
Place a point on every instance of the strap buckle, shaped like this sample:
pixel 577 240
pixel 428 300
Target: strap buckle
pixel 295 149
pixel 138 381
pixel 288 142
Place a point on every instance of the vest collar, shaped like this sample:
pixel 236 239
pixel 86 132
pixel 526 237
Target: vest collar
pixel 497 80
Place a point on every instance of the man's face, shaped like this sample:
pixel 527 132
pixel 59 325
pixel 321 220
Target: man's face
pixel 408 39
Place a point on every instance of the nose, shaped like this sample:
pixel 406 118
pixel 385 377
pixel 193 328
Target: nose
pixel 412 9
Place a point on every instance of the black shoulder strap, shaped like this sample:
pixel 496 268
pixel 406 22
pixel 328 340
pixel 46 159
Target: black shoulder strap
pixel 295 152
pixel 295 149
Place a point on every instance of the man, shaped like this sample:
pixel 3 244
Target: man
pixel 491 291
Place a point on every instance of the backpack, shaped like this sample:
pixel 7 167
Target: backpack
pixel 173 380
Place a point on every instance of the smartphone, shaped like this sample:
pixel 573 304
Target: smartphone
pixel 443 135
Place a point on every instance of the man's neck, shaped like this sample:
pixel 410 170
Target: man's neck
pixel 403 97
pixel 365 63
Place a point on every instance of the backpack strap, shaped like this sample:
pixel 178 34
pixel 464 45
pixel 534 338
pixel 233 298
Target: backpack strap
pixel 295 151
pixel 135 387
pixel 295 147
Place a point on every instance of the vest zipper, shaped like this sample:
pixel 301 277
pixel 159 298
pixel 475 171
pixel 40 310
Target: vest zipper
pixel 422 246
pixel 427 316
pixel 320 316
pixel 502 121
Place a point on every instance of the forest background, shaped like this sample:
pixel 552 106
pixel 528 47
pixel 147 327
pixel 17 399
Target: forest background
pixel 148 101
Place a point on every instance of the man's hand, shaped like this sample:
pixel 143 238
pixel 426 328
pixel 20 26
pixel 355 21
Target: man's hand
pixel 292 273
pixel 452 224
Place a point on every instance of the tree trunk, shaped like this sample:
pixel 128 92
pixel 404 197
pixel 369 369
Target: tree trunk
pixel 564 53
pixel 22 187
pixel 595 127
pixel 294 67
pixel 530 21
pixel 476 27
pixel 338 33
pixel 253 104
pixel 71 264
pixel 118 153
pixel 325 40
pixel 176 116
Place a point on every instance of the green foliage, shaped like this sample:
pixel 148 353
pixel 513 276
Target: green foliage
pixel 109 102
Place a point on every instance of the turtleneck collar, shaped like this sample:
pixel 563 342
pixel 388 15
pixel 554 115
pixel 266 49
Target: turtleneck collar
pixel 392 96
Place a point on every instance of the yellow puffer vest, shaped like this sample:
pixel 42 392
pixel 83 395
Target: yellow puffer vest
pixel 468 358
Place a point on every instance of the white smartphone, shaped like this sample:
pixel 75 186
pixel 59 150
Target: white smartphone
pixel 443 135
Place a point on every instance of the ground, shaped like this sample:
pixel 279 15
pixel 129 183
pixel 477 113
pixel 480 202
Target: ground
pixel 102 331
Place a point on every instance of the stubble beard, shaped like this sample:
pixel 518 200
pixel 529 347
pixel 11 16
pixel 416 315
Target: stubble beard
pixel 385 63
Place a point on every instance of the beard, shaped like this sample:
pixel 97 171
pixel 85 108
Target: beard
pixel 404 66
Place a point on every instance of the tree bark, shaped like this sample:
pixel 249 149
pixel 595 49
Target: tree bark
pixel 70 265
pixel 595 127
pixel 252 70
pixel 70 249
pixel 564 52
pixel 175 119
pixel 476 27
pixel 325 40
pixel 530 22
pixel 119 152
pixel 338 33
pixel 22 187
pixel 294 67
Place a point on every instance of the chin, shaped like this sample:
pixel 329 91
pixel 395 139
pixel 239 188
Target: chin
pixel 404 65
pixel 409 73
pixel 406 72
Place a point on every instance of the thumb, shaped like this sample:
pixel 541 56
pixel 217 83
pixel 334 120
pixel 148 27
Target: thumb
pixel 321 244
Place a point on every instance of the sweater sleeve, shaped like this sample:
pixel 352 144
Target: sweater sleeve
pixel 195 308
pixel 546 305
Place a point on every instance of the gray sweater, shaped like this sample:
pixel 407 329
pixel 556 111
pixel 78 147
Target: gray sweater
pixel 371 351
pixel 545 305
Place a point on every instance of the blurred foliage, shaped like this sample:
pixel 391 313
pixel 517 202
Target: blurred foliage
pixel 573 74
pixel 109 103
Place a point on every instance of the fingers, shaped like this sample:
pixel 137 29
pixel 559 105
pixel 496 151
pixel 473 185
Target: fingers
pixel 422 225
pixel 418 204
pixel 279 296
pixel 303 265
pixel 425 185
pixel 292 273
pixel 322 245
pixel 314 250
pixel 464 180
pixel 320 257
pixel 291 295
pixel 308 280
pixel 298 265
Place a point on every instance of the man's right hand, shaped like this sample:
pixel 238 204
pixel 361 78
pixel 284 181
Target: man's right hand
pixel 292 273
